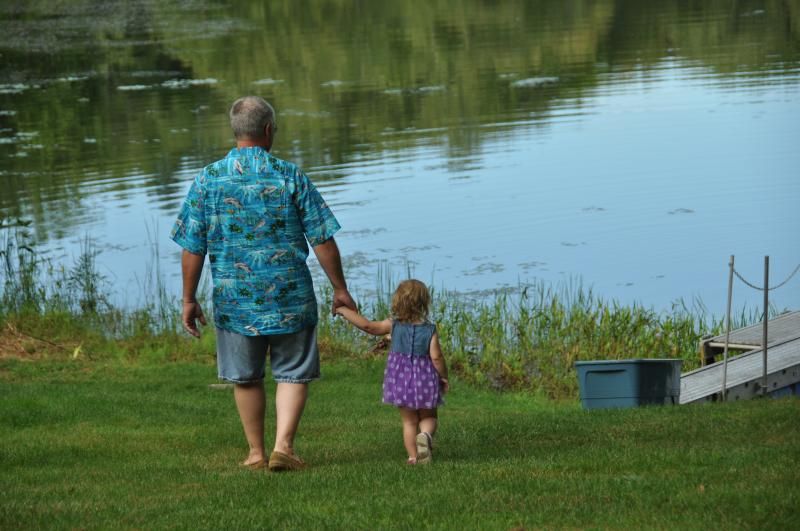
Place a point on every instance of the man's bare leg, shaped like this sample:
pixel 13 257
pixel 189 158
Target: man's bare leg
pixel 290 400
pixel 251 403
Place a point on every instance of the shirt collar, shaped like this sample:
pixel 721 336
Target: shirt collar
pixel 248 151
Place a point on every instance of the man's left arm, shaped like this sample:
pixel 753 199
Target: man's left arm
pixel 331 261
pixel 319 226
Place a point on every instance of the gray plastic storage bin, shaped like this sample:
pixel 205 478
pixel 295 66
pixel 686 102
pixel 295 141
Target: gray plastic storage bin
pixel 629 383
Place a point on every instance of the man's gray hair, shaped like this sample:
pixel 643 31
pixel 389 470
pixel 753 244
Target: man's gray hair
pixel 249 115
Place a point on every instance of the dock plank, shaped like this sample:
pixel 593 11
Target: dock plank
pixel 744 369
pixel 779 329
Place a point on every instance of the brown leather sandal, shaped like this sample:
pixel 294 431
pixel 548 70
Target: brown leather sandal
pixel 257 465
pixel 281 462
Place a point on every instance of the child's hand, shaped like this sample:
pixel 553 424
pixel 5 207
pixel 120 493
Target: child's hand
pixel 445 385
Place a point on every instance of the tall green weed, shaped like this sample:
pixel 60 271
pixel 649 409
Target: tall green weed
pixel 529 338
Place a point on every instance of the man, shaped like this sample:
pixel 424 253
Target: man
pixel 251 213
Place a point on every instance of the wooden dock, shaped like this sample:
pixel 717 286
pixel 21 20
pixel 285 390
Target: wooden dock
pixel 745 371
pixel 779 329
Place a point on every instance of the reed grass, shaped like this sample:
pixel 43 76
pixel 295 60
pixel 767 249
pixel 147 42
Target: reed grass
pixel 530 337
pixel 51 309
pixel 527 338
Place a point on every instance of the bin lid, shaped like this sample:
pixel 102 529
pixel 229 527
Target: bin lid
pixel 637 360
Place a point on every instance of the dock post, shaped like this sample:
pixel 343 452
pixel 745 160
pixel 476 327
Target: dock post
pixel 766 319
pixel 727 333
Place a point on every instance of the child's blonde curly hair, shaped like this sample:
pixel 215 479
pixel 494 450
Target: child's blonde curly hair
pixel 410 301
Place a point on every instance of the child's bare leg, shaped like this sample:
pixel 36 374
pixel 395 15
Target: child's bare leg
pixel 410 423
pixel 428 420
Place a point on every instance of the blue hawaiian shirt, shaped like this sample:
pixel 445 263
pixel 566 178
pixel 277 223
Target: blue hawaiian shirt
pixel 251 213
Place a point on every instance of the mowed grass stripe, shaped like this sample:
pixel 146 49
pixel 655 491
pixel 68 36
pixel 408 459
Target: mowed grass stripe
pixel 135 446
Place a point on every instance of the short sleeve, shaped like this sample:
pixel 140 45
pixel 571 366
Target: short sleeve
pixel 190 230
pixel 319 223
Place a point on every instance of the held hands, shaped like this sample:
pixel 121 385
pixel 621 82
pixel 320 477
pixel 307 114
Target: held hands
pixel 342 298
pixel 192 311
pixel 345 313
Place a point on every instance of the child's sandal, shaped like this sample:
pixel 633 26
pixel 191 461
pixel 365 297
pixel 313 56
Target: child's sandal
pixel 424 444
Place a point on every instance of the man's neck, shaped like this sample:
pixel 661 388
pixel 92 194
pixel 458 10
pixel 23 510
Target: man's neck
pixel 245 143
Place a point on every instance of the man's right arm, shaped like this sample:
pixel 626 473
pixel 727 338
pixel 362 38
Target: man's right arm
pixel 192 267
pixel 189 232
pixel 331 261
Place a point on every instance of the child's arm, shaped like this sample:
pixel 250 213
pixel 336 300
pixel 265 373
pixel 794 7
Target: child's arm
pixel 438 362
pixel 376 328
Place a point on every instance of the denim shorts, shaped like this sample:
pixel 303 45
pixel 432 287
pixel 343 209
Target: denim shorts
pixel 294 358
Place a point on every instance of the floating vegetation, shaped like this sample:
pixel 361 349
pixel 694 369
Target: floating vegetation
pixel 133 87
pixel 73 77
pixel 309 114
pixel 15 88
pixel 532 82
pixel 415 248
pixel 267 81
pixel 19 137
pixel 488 267
pixel 362 233
pixel 419 90
pixel 154 73
pixel 186 83
pixel 533 264
pixel 432 88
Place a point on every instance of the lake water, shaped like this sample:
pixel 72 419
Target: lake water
pixel 633 146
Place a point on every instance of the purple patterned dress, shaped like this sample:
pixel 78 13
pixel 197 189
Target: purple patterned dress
pixel 410 379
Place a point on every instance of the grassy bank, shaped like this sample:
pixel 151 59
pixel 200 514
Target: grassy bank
pixel 531 337
pixel 524 339
pixel 57 310
pixel 120 445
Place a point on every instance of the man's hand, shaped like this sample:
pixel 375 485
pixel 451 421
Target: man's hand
pixel 191 267
pixel 192 311
pixel 341 297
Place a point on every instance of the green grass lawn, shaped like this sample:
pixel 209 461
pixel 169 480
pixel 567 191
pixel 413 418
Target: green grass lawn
pixel 134 446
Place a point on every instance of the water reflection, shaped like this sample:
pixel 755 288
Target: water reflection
pixel 486 143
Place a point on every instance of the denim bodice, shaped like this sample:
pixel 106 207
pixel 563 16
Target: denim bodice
pixel 413 339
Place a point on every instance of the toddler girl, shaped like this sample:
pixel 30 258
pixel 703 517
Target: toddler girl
pixel 416 375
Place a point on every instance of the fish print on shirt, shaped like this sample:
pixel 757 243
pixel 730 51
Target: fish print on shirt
pixel 253 214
